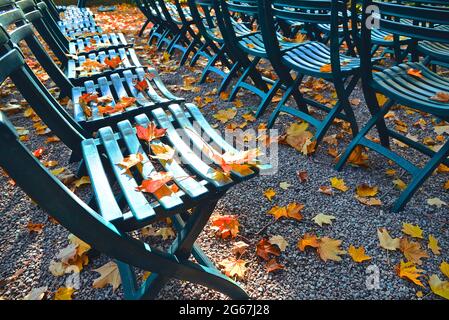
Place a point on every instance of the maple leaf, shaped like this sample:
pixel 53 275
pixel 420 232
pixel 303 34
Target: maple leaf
pixel 64 293
pixel 38 152
pixel 339 184
pixel 399 184
pixel 82 181
pixel 225 115
pixel 234 267
pixel 329 249
pixel 91 65
pixel 141 85
pixel 239 248
pixel 264 248
pixel 109 274
pixel 302 176
pixel 81 246
pixel 131 160
pixel 433 245
pixel 279 241
pixel 412 251
pixel 162 151
pixel 415 73
pixel 321 218
pixel 365 190
pixel 358 254
pixel 278 212
pixel 113 63
pixel 439 287
pixel 369 201
pixel 408 270
pixel 35 227
pixel 326 68
pixel 272 265
pixel 386 241
pixel 269 193
pixel 294 210
pixel 308 240
pixel 225 226
pixel 68 253
pixel 150 133
pixel 358 157
pixel 444 267
pixel 156 181
pixel 441 97
pixel 299 138
pixel 437 202
pixel 165 233
pixel 326 190
pixel 57 268
pixel 412 230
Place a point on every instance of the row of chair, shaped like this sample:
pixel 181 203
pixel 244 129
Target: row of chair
pixel 188 185
pixel 338 41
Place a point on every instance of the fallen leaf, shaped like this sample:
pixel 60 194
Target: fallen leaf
pixel 326 190
pixel 278 212
pixel 441 97
pixel 225 226
pixel 408 270
pixel 225 115
pixel 64 293
pixel 358 254
pixel 329 249
pixel 165 233
pixel 439 287
pixel 308 240
pixel 109 274
pixel 415 73
pixel 437 202
pixel 35 227
pixel 269 194
pixel 365 190
pixel 57 268
pixel 150 133
pixel 155 181
pixel 36 293
pixel 386 241
pixel 369 201
pixel 321 218
pixel 279 241
pixel 444 267
pixel 234 267
pixel 412 251
pixel 264 248
pixel 239 248
pixel 433 245
pixel 302 176
pixel 273 265
pixel 82 181
pixel 412 230
pixel 338 184
pixel 284 185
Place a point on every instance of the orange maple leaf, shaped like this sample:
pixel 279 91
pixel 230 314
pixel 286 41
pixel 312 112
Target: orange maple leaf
pixel 225 226
pixel 113 63
pixel 264 248
pixel 308 240
pixel 415 73
pixel 150 133
pixel 141 85
pixel 155 182
pixel 273 265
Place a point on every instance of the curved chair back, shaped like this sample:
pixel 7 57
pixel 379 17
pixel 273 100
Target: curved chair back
pixel 204 17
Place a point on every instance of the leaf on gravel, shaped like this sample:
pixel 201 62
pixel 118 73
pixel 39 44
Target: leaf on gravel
pixel 308 240
pixel 64 293
pixel 412 251
pixel 399 184
pixel 165 233
pixel 298 137
pixel 339 184
pixel 269 193
pixel 437 202
pixel 369 201
pixel 433 245
pixel 67 254
pixel 407 270
pixel 386 241
pixel 278 212
pixel 234 267
pixel 358 254
pixel 35 227
pixel 321 218
pixel 81 246
pixel 294 210
pixel 326 190
pixel 279 241
pixel 284 185
pixel 57 268
pixel 439 287
pixel 302 176
pixel 82 181
pixel 225 226
pixel 239 248
pixel 264 248
pixel 412 230
pixel 444 267
pixel 109 274
pixel 329 249
pixel 365 190
pixel 273 265
pixel 225 115
pixel 36 293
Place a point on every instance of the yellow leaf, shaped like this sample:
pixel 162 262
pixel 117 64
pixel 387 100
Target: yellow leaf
pixel 308 240
pixel 381 99
pixel 279 241
pixel 58 171
pixel 329 249
pixel 109 274
pixel 225 115
pixel 339 184
pixel 278 212
pixel 369 201
pixel 64 294
pixel 365 190
pixel 234 267
pixel 323 218
pixel 444 267
pixel 412 251
pixel 408 270
pixel 82 181
pixel 400 184
pixel 439 287
pixel 165 233
pixel 130 161
pixel 358 254
pixel 269 193
pixel 412 230
pixel 386 241
pixel 433 245
pixel 81 246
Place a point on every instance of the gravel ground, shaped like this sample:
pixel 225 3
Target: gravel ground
pixel 25 256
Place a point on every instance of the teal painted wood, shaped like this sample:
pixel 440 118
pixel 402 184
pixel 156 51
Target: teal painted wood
pixel 106 230
pixel 308 58
pixel 401 88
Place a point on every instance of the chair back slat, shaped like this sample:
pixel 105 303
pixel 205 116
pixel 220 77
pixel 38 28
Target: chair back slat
pixel 311 11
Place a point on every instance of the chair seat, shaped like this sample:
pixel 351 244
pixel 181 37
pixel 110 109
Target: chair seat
pixel 253 43
pixel 75 30
pixel 436 50
pixel 97 42
pixel 119 87
pixel 194 175
pixel 413 91
pixel 78 72
pixel 310 57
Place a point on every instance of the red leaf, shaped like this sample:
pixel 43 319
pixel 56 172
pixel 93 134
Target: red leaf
pixel 150 133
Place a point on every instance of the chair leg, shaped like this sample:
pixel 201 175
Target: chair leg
pixel 144 27
pixel 420 177
pixel 246 73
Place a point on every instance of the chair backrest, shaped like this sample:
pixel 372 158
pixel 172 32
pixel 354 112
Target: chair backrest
pixel 204 17
pixel 232 11
pixel 332 12
pixel 387 16
pixel 12 64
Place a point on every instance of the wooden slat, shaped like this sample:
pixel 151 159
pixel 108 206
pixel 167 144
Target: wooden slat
pixel 137 202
